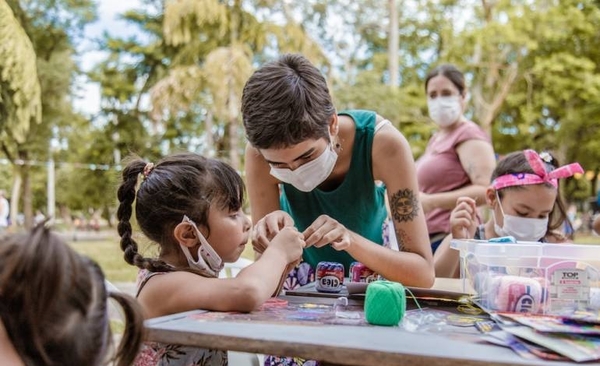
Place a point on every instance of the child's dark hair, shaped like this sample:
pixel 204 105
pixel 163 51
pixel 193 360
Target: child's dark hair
pixel 54 304
pixel 515 163
pixel 452 73
pixel 285 102
pixel 178 185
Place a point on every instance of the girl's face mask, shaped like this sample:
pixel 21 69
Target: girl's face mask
pixel 444 110
pixel 521 228
pixel 209 263
pixel 308 176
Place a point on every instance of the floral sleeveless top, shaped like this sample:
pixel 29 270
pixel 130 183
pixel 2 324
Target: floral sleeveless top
pixel 162 354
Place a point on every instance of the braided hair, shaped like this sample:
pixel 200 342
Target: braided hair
pixel 180 184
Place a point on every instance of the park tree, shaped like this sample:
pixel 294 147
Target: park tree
pixel 213 84
pixel 20 96
pixel 504 47
pixel 53 26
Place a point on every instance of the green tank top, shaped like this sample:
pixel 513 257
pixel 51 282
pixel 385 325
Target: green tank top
pixel 358 203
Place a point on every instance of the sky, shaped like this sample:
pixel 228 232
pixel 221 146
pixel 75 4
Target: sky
pixel 88 100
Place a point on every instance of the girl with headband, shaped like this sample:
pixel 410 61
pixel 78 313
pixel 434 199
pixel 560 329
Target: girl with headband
pixel 525 203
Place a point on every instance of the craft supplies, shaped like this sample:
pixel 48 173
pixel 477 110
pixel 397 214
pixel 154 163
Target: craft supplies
pixel 503 239
pixel 330 277
pixel 515 294
pixel 340 309
pixel 385 303
pixel 530 277
pixel 361 273
pixel 595 298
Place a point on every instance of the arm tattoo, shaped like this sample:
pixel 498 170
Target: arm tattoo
pixel 404 205
pixel 403 240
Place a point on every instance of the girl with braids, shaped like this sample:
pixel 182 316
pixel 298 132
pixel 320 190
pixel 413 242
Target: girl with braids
pixel 53 306
pixel 525 203
pixel 191 206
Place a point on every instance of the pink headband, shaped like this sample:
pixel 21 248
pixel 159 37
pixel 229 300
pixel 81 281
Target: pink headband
pixel 540 176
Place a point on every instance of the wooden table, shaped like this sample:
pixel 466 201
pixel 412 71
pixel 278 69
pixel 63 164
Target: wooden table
pixel 332 344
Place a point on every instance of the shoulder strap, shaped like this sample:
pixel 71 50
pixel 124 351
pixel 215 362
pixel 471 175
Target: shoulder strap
pixel 381 124
pixel 146 276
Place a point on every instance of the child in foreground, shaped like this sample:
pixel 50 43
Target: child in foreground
pixel 191 206
pixel 54 306
pixel 526 203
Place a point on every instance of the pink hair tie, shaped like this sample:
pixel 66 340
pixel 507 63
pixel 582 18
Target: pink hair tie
pixel 147 170
pixel 541 176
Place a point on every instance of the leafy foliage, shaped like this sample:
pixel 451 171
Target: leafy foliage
pixel 20 91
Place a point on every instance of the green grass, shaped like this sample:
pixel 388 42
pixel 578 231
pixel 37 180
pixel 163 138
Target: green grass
pixel 586 239
pixel 109 256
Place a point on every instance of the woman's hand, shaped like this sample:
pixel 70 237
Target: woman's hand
pixel 268 227
pixel 463 219
pixel 326 230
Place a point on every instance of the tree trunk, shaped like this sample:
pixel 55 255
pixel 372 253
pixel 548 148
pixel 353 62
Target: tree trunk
pixel 393 44
pixel 490 90
pixel 234 142
pixel 233 99
pixel 208 132
pixel 27 193
pixel 15 196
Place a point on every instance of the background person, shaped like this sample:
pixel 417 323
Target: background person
pixel 596 224
pixel 459 157
pixel 4 211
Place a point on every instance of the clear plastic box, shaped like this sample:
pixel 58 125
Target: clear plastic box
pixel 530 277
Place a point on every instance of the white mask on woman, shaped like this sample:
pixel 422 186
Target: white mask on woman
pixel 309 175
pixel 444 110
pixel 521 228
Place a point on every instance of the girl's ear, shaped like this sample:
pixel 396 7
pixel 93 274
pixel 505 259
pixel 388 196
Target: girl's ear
pixel 490 197
pixel 185 235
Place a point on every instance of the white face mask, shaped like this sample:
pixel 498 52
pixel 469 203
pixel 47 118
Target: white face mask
pixel 209 263
pixel 521 228
pixel 308 176
pixel 444 110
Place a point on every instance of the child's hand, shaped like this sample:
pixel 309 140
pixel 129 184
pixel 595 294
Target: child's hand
pixel 268 227
pixel 463 219
pixel 326 230
pixel 290 242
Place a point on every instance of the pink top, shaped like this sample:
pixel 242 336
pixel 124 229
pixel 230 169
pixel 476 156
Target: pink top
pixel 439 169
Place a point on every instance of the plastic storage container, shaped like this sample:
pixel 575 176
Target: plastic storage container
pixel 530 277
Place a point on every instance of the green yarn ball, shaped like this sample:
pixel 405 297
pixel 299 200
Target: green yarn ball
pixel 385 303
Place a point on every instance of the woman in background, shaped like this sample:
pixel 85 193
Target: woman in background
pixel 459 158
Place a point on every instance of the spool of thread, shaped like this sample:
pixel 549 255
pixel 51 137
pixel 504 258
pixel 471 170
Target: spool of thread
pixel 385 303
pixel 361 273
pixel 515 294
pixel 330 277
